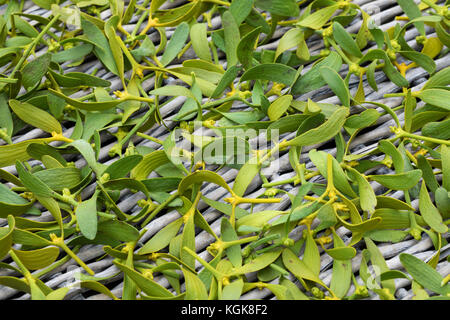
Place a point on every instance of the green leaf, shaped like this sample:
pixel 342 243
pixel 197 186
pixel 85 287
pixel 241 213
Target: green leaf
pixel 257 219
pixel 6 121
pixel 76 79
pixel 424 274
pixel 342 266
pixel 319 159
pixel 391 72
pixel 240 10
pixel 15 283
pixel 439 79
pixel 58 294
pixel 413 12
pixel 59 178
pixel 148 286
pixel 39 258
pixel 53 207
pixel 367 198
pixel 175 44
pixel 288 8
pixel 399 181
pixel 438 130
pixel 427 173
pixel 226 80
pixel 345 40
pixel 76 53
pixel 89 155
pixel 326 216
pixel 362 120
pixel 420 59
pixel 229 234
pixel 245 176
pixel 86 213
pixel 258 263
pixel 324 132
pixel 188 241
pixel 312 79
pixel 361 227
pixel 293 291
pixel 162 238
pixel 121 167
pixel 377 260
pixel 445 156
pixel 35 116
pixel 232 37
pixel 89 106
pixel 33 183
pixel 317 19
pixel 311 256
pixel 335 82
pixel 225 208
pixel 298 268
pixel 343 253
pixel 173 91
pixel 149 163
pixel 389 149
pixel 233 290
pixel 393 236
pixel 97 286
pixel 279 106
pixel 195 289
pixel 429 212
pixel 199 177
pixel 392 218
pixel 6 237
pixel 102 49
pixel 118 230
pixel 246 46
pixel 11 203
pixel 146 49
pixel 442 199
pixel 199 41
pixel 292 38
pixel 34 71
pixel 275 72
pixel 29 239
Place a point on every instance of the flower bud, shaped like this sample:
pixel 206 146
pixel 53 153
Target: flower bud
pixel 316 292
pixel 421 39
pixel 324 52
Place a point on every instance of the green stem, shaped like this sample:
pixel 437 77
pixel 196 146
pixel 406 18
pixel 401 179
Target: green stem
pixel 393 95
pixel 63 246
pixel 418 137
pixel 31 46
pixel 259 242
pixel 277 183
pixel 431 4
pixel 145 136
pixel 160 207
pixel 240 241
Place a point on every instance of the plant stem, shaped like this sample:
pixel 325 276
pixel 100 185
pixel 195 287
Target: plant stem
pixel 32 45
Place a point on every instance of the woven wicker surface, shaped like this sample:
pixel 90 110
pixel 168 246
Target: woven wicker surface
pixel 384 12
